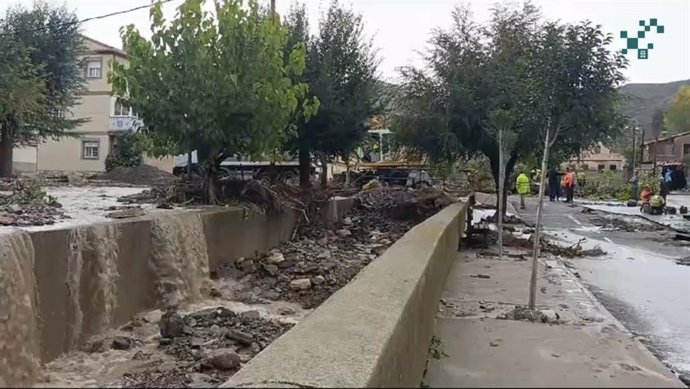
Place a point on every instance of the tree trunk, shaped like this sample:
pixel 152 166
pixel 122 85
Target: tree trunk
pixel 189 165
pixel 500 210
pixel 211 189
pixel 6 149
pixel 508 183
pixel 211 165
pixel 537 229
pixel 304 166
pixel 347 172
pixel 324 170
pixel 509 168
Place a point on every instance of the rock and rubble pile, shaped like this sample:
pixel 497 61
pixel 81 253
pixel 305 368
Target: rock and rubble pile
pixel 322 259
pixel 547 245
pixel 28 205
pixel 200 336
pixel 629 224
pixel 522 313
pixel 199 349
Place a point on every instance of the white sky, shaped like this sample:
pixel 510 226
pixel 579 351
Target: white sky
pixel 401 27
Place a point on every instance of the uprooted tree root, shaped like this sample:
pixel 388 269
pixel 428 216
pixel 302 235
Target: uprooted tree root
pixel 546 245
pixel 260 196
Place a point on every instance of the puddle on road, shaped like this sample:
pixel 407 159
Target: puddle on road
pixel 646 290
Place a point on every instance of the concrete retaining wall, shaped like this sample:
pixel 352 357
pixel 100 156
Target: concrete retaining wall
pixel 374 332
pixel 230 233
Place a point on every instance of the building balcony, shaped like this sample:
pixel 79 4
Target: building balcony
pixel 125 123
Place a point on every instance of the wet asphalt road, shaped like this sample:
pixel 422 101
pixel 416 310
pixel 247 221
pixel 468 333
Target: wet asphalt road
pixel 638 280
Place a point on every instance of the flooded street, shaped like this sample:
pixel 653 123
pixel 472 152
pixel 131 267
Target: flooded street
pixel 638 280
pixel 650 295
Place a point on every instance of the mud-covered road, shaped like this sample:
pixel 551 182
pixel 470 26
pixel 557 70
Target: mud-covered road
pixel 639 280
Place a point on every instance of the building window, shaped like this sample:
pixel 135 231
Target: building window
pixel 90 149
pixel 601 167
pixel 686 149
pixel 93 68
pixel 58 113
pixel 612 167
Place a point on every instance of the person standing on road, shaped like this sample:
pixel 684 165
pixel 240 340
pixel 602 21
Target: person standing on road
pixel 635 183
pixel 665 185
pixel 522 185
pixel 569 184
pixel 554 184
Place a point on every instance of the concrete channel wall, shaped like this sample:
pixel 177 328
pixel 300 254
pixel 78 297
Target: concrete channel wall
pixel 81 291
pixel 375 331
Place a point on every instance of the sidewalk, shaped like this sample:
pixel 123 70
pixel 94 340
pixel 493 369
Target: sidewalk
pixel 589 349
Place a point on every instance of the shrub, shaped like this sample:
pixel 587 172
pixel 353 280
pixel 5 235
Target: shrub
pixel 127 154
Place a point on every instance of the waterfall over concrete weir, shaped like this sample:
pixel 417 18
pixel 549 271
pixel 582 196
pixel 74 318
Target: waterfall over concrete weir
pixel 19 337
pixel 179 259
pixel 92 277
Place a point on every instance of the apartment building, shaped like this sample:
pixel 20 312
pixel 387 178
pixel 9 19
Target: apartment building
pixel 107 118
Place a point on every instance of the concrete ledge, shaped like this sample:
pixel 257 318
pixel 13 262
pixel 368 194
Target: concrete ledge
pixel 374 332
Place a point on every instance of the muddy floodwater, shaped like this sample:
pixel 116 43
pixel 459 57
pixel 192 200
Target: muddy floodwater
pixel 210 322
pixel 133 355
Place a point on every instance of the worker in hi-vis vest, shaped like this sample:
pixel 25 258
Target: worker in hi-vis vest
pixel 523 188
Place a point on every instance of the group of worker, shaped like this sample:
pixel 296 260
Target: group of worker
pixel 567 183
pixel 655 202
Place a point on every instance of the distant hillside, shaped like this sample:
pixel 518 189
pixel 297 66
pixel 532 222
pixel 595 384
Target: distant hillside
pixel 644 99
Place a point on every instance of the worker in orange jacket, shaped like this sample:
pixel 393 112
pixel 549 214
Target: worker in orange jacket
pixel 569 184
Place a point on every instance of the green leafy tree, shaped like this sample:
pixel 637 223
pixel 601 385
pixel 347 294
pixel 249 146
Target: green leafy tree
pixel 40 77
pixel 678 115
pixel 215 82
pixel 474 79
pixel 341 72
pixel 540 75
pixel 297 24
pixel 574 99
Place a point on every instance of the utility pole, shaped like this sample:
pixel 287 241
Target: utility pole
pixel 642 148
pixel 273 11
pixel 634 147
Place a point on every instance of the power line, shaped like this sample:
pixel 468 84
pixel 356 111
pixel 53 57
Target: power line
pixel 99 17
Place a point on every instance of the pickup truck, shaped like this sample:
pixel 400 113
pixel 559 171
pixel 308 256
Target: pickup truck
pixel 240 168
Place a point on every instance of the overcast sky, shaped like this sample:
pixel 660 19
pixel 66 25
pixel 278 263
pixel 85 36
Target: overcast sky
pixel 401 27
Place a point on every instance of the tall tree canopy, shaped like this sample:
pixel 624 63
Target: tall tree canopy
pixel 40 76
pixel 518 73
pixel 215 81
pixel 341 73
pixel 678 116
